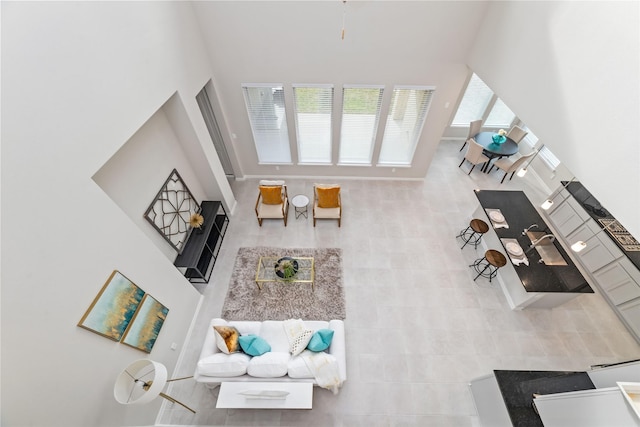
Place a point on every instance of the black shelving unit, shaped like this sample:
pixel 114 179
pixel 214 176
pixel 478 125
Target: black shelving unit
pixel 201 249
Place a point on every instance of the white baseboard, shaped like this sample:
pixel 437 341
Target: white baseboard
pixel 181 356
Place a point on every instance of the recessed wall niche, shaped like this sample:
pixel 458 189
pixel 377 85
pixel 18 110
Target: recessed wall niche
pixel 132 176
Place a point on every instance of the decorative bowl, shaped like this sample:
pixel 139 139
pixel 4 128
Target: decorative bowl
pixel 498 139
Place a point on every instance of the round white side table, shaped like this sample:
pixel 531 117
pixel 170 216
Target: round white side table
pixel 300 203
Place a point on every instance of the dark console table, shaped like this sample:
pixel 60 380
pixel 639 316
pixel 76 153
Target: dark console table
pixel 201 249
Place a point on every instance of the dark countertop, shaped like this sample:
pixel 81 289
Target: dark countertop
pixel 520 214
pixel 596 211
pixel 517 389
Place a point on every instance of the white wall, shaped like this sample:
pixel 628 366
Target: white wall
pixel 389 43
pixel 570 70
pixel 133 176
pixel 78 80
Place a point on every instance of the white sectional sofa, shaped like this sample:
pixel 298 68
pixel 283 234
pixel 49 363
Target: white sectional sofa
pixel 215 367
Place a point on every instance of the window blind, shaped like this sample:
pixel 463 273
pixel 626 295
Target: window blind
pixel 544 153
pixel 407 114
pixel 265 107
pixel 313 106
pixel 500 116
pixel 474 102
pixel 360 116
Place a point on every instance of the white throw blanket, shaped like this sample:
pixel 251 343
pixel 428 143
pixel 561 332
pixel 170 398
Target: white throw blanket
pixel 323 366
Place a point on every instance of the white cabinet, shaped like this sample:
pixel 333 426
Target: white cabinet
pixel 630 312
pixel 568 215
pixel 616 276
pixel 492 411
pixel 558 200
pixel 602 407
pixel 620 281
pixel 600 249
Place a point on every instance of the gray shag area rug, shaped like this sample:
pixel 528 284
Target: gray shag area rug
pixel 286 300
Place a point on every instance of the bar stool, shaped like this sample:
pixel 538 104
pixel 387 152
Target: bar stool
pixel 491 261
pixel 473 233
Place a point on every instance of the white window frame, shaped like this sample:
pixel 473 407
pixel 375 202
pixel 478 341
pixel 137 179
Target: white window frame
pixel 416 135
pixel 374 130
pixel 300 138
pixel 495 102
pixel 544 153
pixel 269 143
pixel 487 110
pixel 487 107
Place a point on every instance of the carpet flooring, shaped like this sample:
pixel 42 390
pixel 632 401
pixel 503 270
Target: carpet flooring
pixel 286 300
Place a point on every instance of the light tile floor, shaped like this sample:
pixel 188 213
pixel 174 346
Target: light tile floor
pixel 418 328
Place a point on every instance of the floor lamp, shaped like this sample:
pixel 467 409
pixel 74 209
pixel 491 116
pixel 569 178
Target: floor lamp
pixel 141 382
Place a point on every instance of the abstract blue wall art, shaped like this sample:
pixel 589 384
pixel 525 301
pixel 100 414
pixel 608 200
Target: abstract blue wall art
pixel 113 308
pixel 146 324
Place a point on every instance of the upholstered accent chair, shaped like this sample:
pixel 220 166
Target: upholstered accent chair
pixel 474 128
pixel 517 134
pixel 272 202
pixel 327 203
pixel 510 166
pixel 474 155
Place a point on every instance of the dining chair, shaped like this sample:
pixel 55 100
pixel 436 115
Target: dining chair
pixel 474 155
pixel 272 202
pixel 516 133
pixel 474 128
pixel 509 165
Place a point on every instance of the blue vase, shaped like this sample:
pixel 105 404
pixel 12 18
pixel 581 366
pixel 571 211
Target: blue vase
pixel 499 139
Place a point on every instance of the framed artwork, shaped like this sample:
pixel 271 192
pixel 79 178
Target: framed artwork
pixel 113 308
pixel 171 209
pixel 145 326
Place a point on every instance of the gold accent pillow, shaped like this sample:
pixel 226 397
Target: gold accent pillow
pixel 227 339
pixel 271 195
pixel 328 197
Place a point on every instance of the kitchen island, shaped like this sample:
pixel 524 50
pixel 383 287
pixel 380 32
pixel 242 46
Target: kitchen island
pixel 528 398
pixel 505 398
pixel 538 284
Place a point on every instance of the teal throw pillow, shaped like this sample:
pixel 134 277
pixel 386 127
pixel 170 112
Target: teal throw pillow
pixel 320 340
pixel 253 345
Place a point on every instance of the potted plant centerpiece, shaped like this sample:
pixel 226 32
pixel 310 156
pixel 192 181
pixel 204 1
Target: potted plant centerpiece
pixel 286 268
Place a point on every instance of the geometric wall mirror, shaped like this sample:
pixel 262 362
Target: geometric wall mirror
pixel 171 209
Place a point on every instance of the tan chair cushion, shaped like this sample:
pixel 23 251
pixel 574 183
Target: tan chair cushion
pixel 327 213
pixel 271 195
pixel 270 211
pixel 328 197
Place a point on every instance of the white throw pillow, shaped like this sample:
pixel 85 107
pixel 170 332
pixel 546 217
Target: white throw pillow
pixel 271 182
pixel 269 365
pixel 298 368
pixel 224 365
pixel 300 342
pixel 297 334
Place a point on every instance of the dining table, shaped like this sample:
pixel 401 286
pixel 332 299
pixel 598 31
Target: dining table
pixel 494 149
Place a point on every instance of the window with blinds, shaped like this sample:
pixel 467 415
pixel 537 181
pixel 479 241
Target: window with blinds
pixel 313 106
pixel 475 101
pixel 265 107
pixel 360 116
pixel 500 116
pixel 407 114
pixel 545 154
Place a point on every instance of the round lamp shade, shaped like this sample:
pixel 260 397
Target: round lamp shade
pixel 141 382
